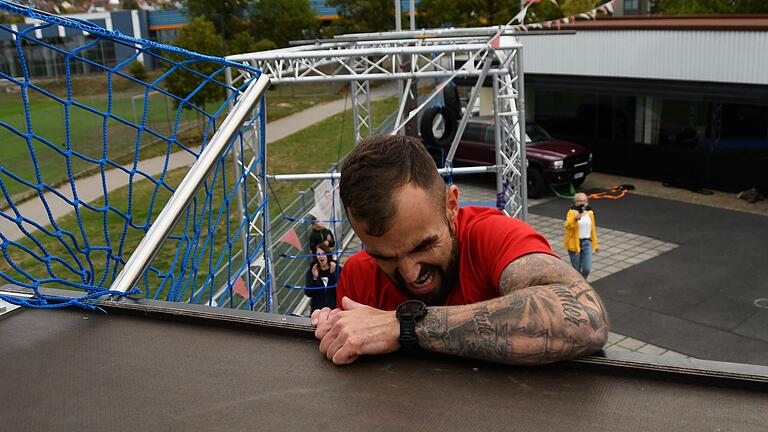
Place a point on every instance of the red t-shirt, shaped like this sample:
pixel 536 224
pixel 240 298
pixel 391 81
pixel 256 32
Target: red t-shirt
pixel 488 241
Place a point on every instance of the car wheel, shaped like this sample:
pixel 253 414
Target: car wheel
pixel 438 126
pixel 536 183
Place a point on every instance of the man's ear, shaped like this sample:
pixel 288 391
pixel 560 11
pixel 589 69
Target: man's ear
pixel 452 203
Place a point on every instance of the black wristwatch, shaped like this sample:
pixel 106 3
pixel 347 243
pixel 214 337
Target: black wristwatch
pixel 409 313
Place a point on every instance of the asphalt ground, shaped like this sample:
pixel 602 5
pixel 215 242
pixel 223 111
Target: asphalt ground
pixel 701 298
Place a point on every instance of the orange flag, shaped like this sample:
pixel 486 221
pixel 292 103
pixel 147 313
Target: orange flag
pixel 495 41
pixel 239 288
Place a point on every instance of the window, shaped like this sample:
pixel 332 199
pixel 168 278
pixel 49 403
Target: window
pixel 683 123
pixel 740 127
pixel 584 117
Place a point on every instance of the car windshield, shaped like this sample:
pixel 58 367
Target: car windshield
pixel 535 133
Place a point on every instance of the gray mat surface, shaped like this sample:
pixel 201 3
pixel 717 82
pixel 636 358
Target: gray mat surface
pixel 73 370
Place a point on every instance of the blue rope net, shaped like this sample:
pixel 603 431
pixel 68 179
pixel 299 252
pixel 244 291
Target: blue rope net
pixel 89 160
pixel 337 227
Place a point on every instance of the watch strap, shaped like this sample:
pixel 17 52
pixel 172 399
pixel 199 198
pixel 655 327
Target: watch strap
pixel 408 339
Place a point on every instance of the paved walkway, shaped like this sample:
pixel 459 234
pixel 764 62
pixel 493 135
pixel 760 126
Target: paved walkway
pixel 705 297
pixel 620 250
pixel 91 189
pixel 717 199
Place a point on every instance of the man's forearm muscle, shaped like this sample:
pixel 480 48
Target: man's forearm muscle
pixel 558 317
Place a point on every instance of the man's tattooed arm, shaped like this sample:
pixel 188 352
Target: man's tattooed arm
pixel 547 312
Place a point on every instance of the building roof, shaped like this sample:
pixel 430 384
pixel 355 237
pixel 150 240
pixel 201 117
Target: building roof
pixel 692 22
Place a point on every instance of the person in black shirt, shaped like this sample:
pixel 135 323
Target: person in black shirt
pixel 321 281
pixel 320 237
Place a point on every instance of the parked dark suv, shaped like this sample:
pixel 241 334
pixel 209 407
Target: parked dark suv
pixel 550 160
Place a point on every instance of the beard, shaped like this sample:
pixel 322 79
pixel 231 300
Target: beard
pixel 448 277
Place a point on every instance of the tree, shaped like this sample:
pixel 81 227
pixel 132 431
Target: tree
pixel 545 11
pixel 575 7
pixel 226 15
pixel 690 7
pixel 265 45
pixel 243 42
pixel 9 18
pixel 138 70
pixel 199 36
pixel 360 16
pixel 130 4
pixel 282 20
pixel 468 13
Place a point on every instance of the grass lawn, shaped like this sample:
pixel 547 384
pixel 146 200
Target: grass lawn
pixel 87 129
pixel 315 149
pixel 311 150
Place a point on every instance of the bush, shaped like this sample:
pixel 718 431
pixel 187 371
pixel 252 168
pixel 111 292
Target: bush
pixel 138 71
pixel 198 36
pixel 265 45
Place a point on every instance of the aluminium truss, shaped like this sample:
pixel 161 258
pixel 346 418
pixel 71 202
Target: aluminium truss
pixel 440 56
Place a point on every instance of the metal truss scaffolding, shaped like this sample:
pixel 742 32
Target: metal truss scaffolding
pixel 440 56
pixel 437 57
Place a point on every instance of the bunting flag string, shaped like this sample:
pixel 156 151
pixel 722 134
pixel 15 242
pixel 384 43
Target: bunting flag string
pixel 606 8
pixel 520 17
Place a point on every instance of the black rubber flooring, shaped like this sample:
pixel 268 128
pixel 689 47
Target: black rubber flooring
pixel 698 299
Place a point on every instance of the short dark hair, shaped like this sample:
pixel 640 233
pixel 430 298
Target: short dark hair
pixel 374 171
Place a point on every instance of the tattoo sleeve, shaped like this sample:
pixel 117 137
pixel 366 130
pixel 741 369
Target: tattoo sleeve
pixel 547 312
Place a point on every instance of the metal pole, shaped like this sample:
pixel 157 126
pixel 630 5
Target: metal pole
pixel 368 107
pixel 337 175
pixel 499 134
pixel 355 112
pixel 242 196
pixel 269 282
pixel 403 100
pixel 420 47
pixel 161 228
pixel 412 10
pixel 398 18
pixel 470 104
pixel 521 122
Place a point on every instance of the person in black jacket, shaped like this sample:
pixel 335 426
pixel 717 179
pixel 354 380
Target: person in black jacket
pixel 321 237
pixel 321 281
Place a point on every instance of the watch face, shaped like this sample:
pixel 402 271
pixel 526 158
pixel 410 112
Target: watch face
pixel 411 307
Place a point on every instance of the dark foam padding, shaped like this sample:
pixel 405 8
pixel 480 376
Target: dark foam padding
pixel 74 370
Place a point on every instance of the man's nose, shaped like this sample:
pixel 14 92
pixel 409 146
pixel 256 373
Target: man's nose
pixel 409 269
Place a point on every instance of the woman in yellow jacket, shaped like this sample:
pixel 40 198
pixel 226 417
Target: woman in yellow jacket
pixel 581 235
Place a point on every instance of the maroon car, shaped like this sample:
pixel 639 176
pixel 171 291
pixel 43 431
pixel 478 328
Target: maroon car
pixel 550 160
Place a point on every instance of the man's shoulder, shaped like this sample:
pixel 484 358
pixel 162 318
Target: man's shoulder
pixel 360 274
pixel 361 262
pixel 489 217
pixel 489 226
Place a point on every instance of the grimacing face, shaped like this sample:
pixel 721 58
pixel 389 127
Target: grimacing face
pixel 419 252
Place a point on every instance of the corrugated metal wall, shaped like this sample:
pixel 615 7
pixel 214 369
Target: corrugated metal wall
pixel 689 55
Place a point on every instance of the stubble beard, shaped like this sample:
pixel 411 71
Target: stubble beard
pixel 448 277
